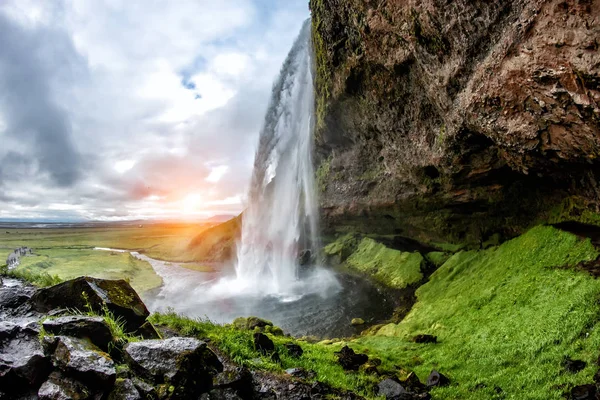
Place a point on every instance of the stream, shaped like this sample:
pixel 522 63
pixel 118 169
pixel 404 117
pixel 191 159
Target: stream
pixel 324 314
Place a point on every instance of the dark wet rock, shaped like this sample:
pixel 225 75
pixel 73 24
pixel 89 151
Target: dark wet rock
pixel 413 384
pixel 83 360
pixel 222 394
pixel 276 358
pixel 145 389
pixel 583 392
pixel 22 359
pixel 300 373
pixel 124 389
pixel 147 331
pixel 187 364
pixel 294 350
pixel 425 339
pixel 305 258
pixel 574 366
pixel 61 387
pixel 236 382
pixel 117 295
pixel 390 388
pixel 93 328
pixel 436 379
pixel 349 360
pixel 13 297
pixel 263 344
pixel 123 371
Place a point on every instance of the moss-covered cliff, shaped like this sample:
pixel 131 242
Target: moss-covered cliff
pixel 452 121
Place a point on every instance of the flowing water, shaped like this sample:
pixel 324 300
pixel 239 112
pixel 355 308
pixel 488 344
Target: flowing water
pixel 280 222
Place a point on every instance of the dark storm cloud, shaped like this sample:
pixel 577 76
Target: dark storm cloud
pixel 29 61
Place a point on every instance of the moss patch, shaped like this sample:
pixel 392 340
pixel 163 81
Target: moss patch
pixel 505 318
pixel 393 268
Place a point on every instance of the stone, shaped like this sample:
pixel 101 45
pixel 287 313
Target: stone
pixel 237 381
pixel 357 321
pixel 425 339
pixel 349 360
pixel 145 389
pixel 12 297
pixel 61 387
pixel 300 373
pixel 574 366
pixel 294 350
pixel 116 295
pixel 84 361
pixel 147 331
pixel 93 328
pixel 251 323
pixel 390 388
pixel 263 344
pixel 22 359
pixel 413 384
pixel 124 389
pixel 436 379
pixel 583 392
pixel 305 258
pixel 187 364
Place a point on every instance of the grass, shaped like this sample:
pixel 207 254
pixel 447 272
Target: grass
pixel 239 346
pixel 391 267
pixel 216 244
pixel 505 318
pixel 40 279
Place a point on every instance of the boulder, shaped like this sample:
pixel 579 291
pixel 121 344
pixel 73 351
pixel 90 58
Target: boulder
pixel 116 295
pixel 574 366
pixel 583 392
pixel 251 323
pixel 22 360
pixel 60 387
pixel 93 328
pixel 147 331
pixel 349 360
pixel 236 381
pixel 12 297
pixel 263 344
pixel 390 388
pixel 145 389
pixel 305 258
pixel 294 350
pixel 436 379
pixel 357 321
pixel 425 339
pixel 187 364
pixel 124 389
pixel 82 360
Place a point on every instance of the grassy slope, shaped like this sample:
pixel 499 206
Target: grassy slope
pixel 216 243
pixel 505 318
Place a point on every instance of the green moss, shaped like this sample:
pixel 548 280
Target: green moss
pixel 577 209
pixel 343 247
pixel 323 79
pixel 323 174
pixel 437 258
pixel 391 267
pixel 239 346
pixel 505 318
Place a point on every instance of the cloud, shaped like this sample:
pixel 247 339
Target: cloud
pixel 123 109
pixel 32 118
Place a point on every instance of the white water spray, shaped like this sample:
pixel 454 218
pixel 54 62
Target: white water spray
pixel 282 215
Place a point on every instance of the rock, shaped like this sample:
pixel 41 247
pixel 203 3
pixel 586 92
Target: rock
pixel 61 387
pixel 300 373
pixel 413 384
pixel 223 394
pixel 574 366
pixel 349 360
pixel 251 323
pixel 357 321
pixel 22 360
pixel 117 295
pixel 93 328
pixel 436 379
pixel 13 297
pixel 147 331
pixel 263 344
pixel 390 388
pixel 187 364
pixel 583 392
pixel 84 361
pixel 425 339
pixel 294 350
pixel 441 116
pixel 236 381
pixel 124 389
pixel 305 258
pixel 146 390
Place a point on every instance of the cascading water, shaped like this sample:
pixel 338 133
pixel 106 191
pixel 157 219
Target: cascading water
pixel 282 217
pixel 281 220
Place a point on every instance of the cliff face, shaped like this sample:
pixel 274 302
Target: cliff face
pixel 453 120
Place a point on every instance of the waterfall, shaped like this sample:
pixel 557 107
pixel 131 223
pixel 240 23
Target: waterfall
pixel 282 215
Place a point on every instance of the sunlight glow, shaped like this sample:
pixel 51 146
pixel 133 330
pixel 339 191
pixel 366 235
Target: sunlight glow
pixel 191 203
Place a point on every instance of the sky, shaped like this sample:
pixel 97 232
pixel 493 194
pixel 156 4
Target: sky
pixel 135 109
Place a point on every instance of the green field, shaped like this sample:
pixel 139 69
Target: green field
pixel 69 252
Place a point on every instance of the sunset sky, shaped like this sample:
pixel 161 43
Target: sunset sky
pixel 128 109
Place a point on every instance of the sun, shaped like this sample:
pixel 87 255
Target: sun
pixel 191 203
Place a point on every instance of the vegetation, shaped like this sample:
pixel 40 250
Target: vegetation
pixel 323 173
pixel 216 243
pixel 506 319
pixel 239 346
pixel 40 279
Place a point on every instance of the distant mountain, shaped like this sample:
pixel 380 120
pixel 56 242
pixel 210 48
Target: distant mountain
pixel 220 218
